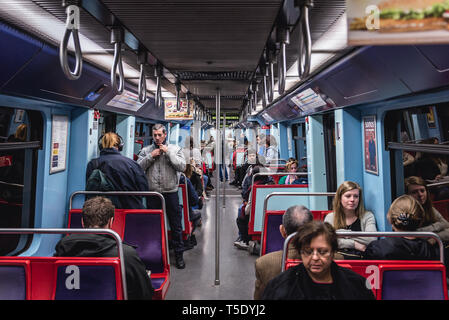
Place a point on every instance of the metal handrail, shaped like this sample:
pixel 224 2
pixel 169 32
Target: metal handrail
pixel 305 41
pixel 178 95
pixel 417 234
pixel 280 194
pixel 438 184
pixel 277 174
pixel 72 27
pixel 62 231
pixel 128 193
pixel 117 37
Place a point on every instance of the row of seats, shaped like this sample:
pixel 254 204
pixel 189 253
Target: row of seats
pixel 398 280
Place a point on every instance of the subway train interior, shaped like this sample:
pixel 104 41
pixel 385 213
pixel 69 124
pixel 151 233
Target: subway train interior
pixel 282 79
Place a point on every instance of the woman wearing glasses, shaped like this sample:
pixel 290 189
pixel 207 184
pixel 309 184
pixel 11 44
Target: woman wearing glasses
pixel 318 277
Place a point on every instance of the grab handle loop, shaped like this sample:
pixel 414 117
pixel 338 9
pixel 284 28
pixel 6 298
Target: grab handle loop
pixel 158 94
pixel 72 27
pixel 305 41
pixel 142 89
pixel 116 40
pixel 282 59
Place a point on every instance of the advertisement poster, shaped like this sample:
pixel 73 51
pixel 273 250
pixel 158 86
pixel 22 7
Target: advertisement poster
pixel 377 22
pixel 59 134
pixel 171 112
pixel 370 144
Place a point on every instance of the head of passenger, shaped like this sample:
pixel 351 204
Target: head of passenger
pixel 252 156
pixel 159 134
pixel 189 170
pixel 189 142
pixel 405 214
pixel 98 212
pixel 293 218
pixel 348 200
pixel 292 166
pixel 21 132
pixel 417 188
pixel 316 243
pixel 110 140
pixel 270 141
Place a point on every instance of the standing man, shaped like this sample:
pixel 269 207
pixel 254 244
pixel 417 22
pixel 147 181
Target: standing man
pixel 161 162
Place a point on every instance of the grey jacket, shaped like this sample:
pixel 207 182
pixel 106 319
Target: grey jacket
pixel 162 171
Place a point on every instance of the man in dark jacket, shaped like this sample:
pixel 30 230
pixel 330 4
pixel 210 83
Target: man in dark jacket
pixel 122 172
pixel 98 212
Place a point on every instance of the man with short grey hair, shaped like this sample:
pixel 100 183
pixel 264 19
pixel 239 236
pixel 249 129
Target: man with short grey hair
pixel 269 266
pixel 162 162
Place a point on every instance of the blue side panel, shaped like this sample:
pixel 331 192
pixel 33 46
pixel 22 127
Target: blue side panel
pixel 17 50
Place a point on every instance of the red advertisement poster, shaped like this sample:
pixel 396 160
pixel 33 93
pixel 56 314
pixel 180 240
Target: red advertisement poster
pixel 370 144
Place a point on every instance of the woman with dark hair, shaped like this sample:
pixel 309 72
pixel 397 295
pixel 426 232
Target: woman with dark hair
pixel 433 221
pixel 318 277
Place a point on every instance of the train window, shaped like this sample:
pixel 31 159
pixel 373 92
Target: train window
pixel 419 140
pixel 20 138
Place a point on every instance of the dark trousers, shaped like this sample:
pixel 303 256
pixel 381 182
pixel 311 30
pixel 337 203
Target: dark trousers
pixel 174 215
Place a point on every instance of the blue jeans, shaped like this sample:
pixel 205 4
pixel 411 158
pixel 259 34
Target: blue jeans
pixel 221 173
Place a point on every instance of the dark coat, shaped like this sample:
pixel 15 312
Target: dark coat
pixel 401 249
pixel 295 284
pixel 125 175
pixel 138 282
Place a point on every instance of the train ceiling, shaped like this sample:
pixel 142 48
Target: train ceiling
pixel 206 44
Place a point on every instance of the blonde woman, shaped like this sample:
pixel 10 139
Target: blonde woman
pixel 405 214
pixel 349 214
pixel 291 167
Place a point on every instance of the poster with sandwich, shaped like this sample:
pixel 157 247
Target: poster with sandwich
pixel 376 22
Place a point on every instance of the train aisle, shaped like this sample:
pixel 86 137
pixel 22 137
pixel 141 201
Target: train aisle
pixel 196 281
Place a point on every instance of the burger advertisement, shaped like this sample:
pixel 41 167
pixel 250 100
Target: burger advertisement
pixel 372 22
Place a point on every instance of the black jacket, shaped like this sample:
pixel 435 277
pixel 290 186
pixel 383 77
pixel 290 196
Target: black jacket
pixel 401 249
pixel 139 285
pixel 296 284
pixel 125 175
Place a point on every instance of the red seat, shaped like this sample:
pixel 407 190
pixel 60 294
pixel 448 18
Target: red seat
pixel 443 207
pixel 49 278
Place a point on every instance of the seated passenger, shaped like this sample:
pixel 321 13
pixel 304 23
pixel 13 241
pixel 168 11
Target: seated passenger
pixel 292 167
pixel 122 172
pixel 243 214
pixel 433 221
pixel 349 214
pixel 270 265
pixel 97 213
pixel 194 212
pixel 405 214
pixel 318 277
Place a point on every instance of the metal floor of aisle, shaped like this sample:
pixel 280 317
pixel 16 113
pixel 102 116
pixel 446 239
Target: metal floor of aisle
pixel 236 267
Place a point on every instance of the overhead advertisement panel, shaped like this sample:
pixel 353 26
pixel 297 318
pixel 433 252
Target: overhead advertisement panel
pixel 127 100
pixel 171 112
pixel 377 22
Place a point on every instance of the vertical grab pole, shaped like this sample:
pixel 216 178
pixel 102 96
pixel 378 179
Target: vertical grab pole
pixel 223 159
pixel 217 189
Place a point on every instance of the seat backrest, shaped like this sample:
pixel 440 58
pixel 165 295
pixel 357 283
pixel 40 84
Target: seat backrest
pixel 145 229
pixel 258 195
pixel 86 281
pixel 15 281
pixel 272 239
pixel 443 207
pixel 47 278
pixel 413 282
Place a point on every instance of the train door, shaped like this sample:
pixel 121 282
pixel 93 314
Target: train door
pixel 20 138
pixel 300 149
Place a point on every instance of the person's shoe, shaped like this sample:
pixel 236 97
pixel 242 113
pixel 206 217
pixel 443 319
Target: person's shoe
pixel 193 240
pixel 242 245
pixel 253 248
pixel 237 241
pixel 179 263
